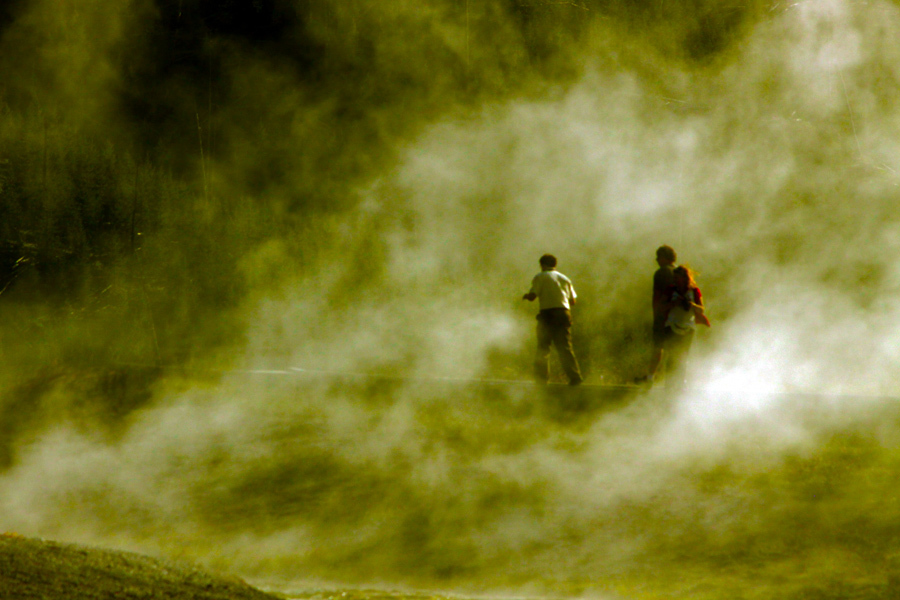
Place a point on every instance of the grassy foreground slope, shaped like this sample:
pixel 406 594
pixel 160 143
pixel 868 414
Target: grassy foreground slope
pixel 31 568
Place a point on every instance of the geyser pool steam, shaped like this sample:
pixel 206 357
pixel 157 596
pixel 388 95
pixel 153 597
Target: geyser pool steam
pixel 771 170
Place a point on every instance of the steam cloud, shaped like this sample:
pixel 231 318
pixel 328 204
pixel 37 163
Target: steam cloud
pixel 772 172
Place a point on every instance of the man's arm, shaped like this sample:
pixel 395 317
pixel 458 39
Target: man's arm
pixel 659 300
pixel 661 286
pixel 699 310
pixel 533 292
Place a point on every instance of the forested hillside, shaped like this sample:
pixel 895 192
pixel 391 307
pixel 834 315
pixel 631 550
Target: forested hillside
pixel 150 150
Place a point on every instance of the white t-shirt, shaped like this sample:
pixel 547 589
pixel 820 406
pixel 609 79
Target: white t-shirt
pixel 682 321
pixel 553 289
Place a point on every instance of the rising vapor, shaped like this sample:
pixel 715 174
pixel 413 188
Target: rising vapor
pixel 386 222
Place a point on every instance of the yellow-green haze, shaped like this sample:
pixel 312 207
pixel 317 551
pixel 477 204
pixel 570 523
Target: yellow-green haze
pixel 365 188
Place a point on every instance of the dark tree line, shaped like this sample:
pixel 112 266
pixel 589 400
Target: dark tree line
pixel 79 203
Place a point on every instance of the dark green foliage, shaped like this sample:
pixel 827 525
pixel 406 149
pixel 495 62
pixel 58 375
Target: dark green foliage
pixel 83 210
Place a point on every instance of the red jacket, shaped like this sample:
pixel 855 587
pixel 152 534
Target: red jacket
pixel 699 316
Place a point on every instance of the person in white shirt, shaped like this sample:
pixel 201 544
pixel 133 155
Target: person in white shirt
pixel 556 296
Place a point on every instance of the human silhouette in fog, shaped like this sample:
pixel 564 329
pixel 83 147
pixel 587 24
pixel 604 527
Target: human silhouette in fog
pixel 556 297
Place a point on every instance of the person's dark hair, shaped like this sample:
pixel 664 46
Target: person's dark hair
pixel 685 271
pixel 666 253
pixel 548 260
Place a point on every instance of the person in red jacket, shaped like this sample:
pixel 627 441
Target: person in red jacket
pixel 684 309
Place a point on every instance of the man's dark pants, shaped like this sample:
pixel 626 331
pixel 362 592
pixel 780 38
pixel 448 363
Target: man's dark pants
pixel 554 327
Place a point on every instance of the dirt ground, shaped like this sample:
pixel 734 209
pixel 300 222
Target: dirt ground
pixel 44 570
